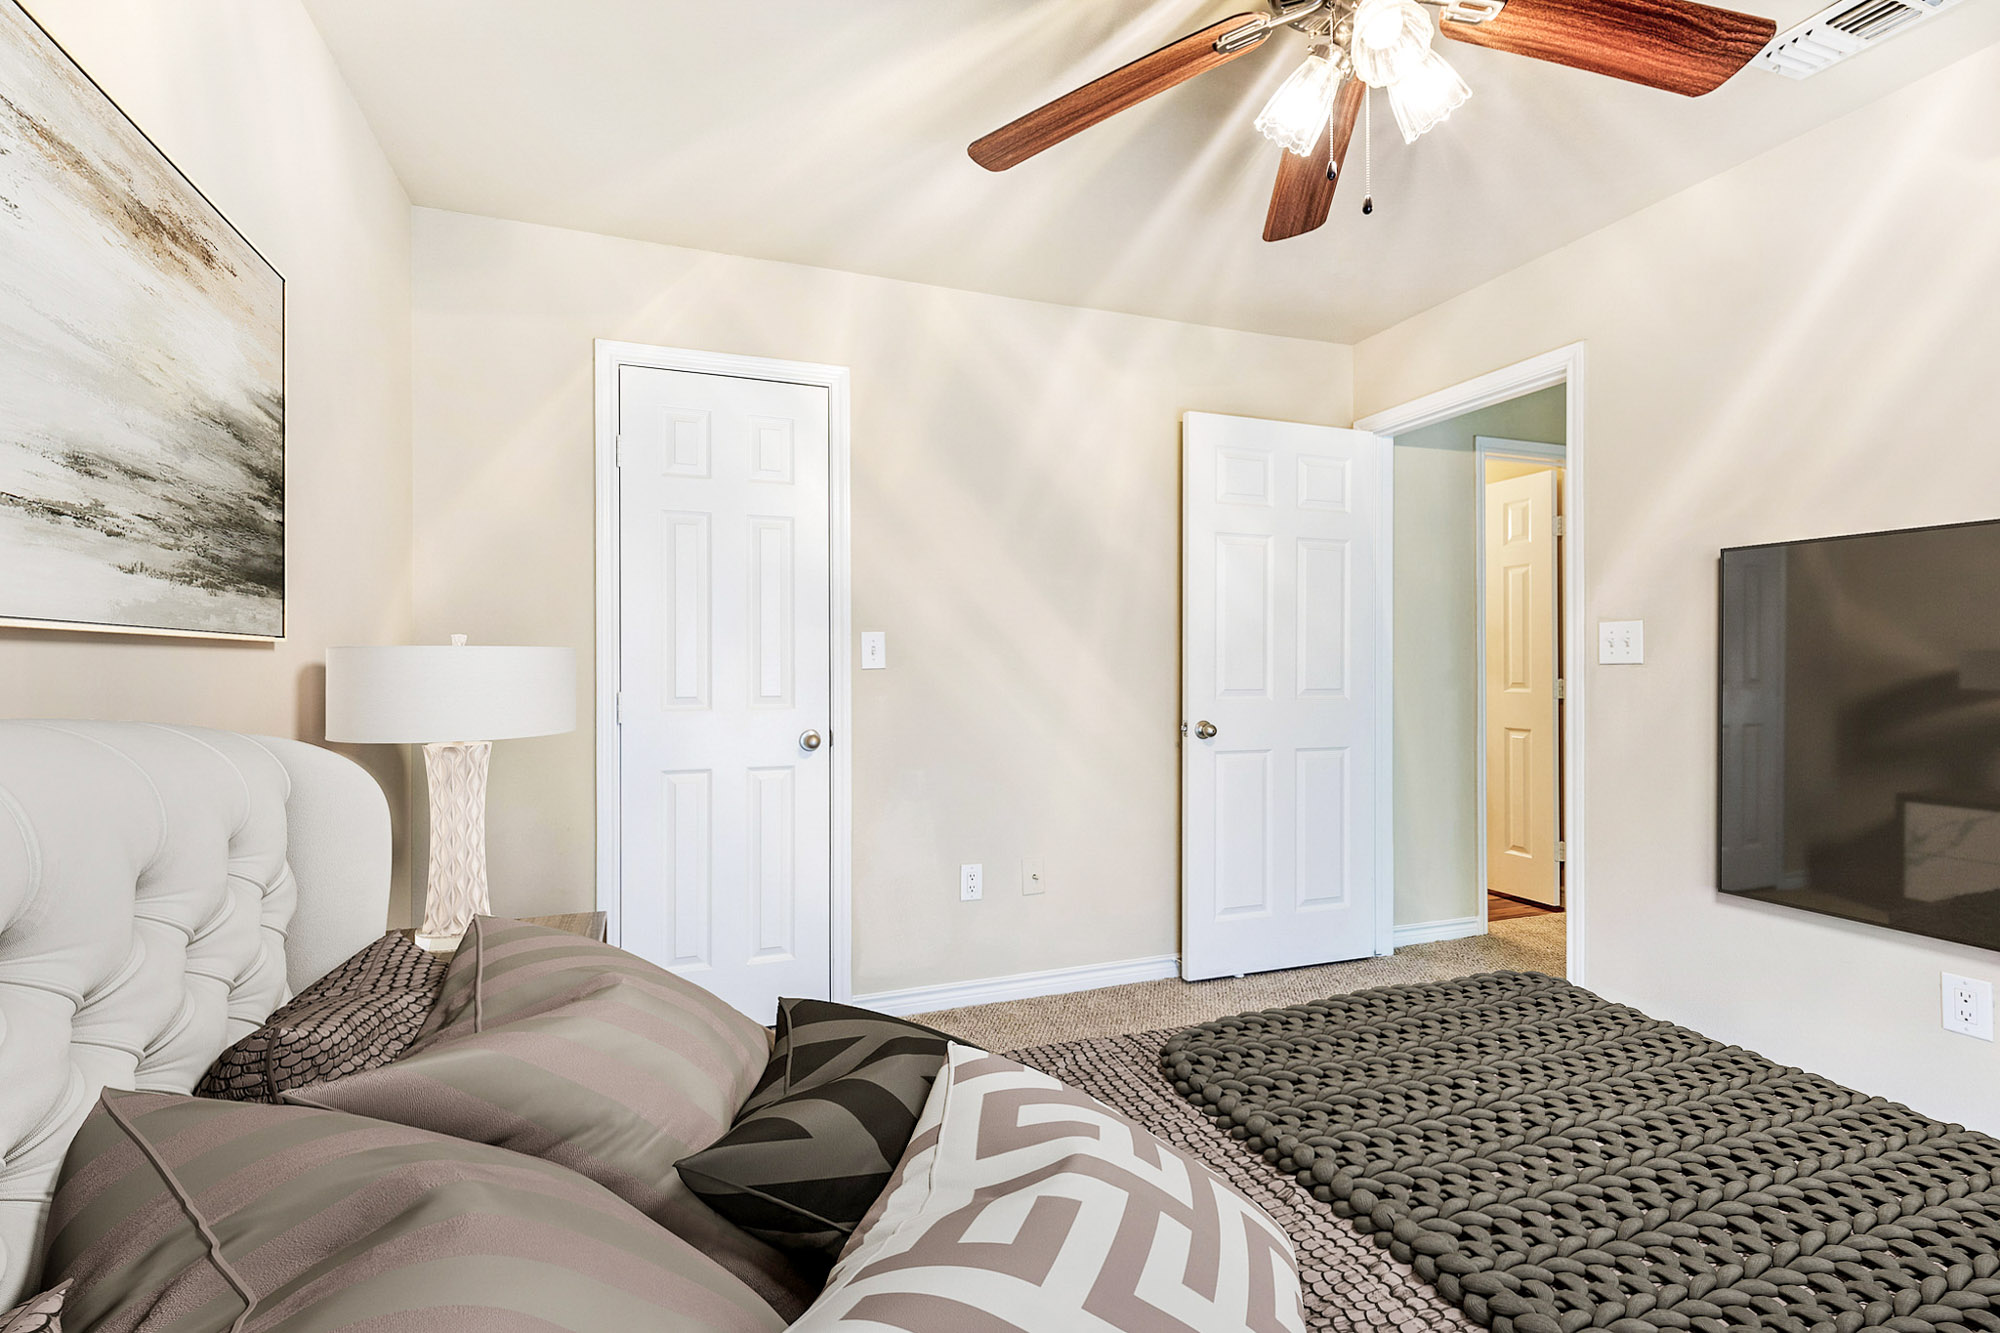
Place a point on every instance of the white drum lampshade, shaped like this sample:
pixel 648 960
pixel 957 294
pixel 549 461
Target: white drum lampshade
pixel 430 692
pixel 454 701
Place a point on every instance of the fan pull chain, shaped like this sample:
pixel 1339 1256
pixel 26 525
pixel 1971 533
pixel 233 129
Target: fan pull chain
pixel 1369 153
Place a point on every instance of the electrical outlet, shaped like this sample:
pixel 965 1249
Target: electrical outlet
pixel 1621 642
pixel 971 883
pixel 1968 1006
pixel 1031 877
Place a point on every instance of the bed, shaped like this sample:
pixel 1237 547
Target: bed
pixel 1503 1150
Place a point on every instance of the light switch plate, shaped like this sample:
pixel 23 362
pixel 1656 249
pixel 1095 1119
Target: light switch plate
pixel 1621 642
pixel 971 883
pixel 1032 880
pixel 874 649
pixel 1968 1006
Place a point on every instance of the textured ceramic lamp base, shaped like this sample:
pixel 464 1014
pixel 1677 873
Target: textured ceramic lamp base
pixel 457 887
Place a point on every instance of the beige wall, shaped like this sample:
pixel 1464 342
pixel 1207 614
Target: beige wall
pixel 1437 652
pixel 1016 482
pixel 246 101
pixel 1800 346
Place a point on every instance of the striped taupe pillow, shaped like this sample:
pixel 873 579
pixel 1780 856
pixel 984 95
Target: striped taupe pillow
pixel 201 1216
pixel 566 1049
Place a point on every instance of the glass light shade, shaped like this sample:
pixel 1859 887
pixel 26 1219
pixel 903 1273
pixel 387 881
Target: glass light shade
pixel 1391 37
pixel 1425 95
pixel 1297 113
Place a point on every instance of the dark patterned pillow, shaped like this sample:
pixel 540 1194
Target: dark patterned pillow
pixel 359 1016
pixel 821 1134
pixel 43 1314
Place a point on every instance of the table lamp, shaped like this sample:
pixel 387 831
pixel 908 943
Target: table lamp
pixel 455 702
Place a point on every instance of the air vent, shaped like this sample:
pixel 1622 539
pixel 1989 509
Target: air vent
pixel 1843 29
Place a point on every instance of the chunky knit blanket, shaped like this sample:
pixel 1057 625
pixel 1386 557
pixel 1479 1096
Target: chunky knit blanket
pixel 1554 1163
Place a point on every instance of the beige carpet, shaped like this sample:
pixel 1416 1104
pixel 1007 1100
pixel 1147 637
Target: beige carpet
pixel 1528 944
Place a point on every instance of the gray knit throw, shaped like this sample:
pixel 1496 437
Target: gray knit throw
pixel 1555 1163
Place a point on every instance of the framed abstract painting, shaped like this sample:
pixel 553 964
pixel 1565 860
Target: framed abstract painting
pixel 142 375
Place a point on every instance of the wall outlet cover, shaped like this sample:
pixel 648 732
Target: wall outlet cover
pixel 971 883
pixel 1968 1006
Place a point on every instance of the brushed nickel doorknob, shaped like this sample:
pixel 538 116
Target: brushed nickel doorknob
pixel 809 741
pixel 1205 730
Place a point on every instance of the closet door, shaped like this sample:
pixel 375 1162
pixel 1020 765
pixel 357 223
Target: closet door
pixel 725 682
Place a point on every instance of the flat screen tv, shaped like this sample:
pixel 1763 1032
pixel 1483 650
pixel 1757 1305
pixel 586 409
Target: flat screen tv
pixel 1859 755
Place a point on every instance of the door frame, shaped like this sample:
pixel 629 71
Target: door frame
pixel 1566 366
pixel 1526 451
pixel 611 357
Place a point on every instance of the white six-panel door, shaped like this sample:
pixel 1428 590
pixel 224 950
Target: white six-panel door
pixel 1281 625
pixel 724 682
pixel 1523 750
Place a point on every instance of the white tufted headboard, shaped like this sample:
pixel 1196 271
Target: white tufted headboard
pixel 162 889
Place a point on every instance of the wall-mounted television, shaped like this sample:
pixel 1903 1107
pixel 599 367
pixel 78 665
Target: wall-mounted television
pixel 1859 748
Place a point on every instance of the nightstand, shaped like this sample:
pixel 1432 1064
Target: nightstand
pixel 590 925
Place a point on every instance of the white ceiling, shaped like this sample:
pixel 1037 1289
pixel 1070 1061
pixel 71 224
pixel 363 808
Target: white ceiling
pixel 834 134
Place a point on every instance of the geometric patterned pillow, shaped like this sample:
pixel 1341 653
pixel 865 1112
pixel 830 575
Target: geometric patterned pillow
pixel 43 1314
pixel 359 1016
pixel 820 1135
pixel 1025 1205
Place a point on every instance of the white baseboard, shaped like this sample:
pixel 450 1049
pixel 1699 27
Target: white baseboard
pixel 1020 986
pixel 1430 932
pixel 1095 976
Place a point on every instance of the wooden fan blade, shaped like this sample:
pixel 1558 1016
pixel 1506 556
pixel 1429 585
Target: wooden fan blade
pixel 1677 45
pixel 1303 195
pixel 1100 99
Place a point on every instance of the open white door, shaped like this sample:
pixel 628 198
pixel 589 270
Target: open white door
pixel 1282 692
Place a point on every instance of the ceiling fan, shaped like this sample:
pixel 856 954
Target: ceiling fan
pixel 1355 45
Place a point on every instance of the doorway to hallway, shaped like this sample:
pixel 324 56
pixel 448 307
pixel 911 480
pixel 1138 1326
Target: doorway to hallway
pixel 1442 822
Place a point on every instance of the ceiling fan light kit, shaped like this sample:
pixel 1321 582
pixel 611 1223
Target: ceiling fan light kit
pixel 1295 117
pixel 1390 44
pixel 1352 45
pixel 1427 94
pixel 1387 39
